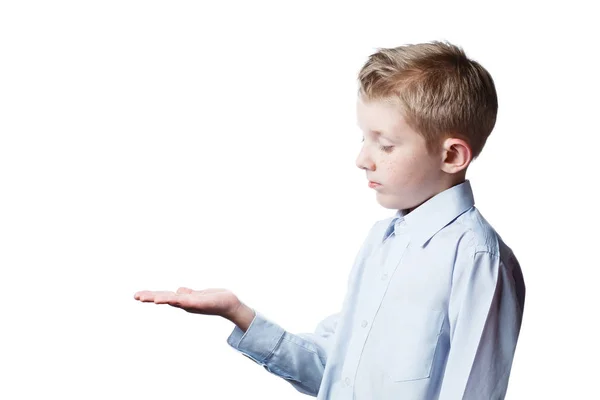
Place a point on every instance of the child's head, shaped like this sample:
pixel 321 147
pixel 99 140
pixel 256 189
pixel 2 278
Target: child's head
pixel 426 111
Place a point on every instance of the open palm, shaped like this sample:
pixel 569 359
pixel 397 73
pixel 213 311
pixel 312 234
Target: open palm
pixel 209 301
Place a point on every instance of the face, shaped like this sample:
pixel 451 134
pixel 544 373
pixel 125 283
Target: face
pixel 396 157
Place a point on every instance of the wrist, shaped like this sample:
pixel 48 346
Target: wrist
pixel 242 316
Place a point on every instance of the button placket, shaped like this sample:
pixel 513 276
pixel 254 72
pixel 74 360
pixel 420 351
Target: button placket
pixel 399 232
pixel 369 310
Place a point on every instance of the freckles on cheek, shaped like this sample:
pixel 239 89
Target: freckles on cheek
pixel 401 171
pixel 393 172
pixel 391 169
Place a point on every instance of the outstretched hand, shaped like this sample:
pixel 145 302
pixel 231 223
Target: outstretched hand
pixel 209 301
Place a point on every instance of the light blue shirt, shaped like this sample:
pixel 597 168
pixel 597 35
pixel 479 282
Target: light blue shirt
pixel 433 311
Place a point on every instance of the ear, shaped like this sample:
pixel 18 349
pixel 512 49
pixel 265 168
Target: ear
pixel 456 155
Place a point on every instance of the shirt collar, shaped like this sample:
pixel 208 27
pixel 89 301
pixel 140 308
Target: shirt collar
pixel 426 220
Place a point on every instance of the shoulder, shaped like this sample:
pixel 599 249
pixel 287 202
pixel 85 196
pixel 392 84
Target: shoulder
pixel 481 246
pixel 474 232
pixel 476 239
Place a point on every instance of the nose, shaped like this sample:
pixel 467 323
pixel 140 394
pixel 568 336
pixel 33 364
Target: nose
pixel 363 161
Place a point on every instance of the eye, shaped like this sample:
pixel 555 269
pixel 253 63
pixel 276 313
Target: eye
pixel 387 149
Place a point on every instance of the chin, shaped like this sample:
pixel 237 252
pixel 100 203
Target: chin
pixel 390 203
pixel 394 203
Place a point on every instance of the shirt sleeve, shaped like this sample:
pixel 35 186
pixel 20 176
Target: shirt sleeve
pixel 485 314
pixel 300 358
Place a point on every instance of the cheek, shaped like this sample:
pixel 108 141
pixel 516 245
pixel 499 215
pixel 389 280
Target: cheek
pixel 402 169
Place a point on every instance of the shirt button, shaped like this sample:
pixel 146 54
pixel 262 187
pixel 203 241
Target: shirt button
pixel 347 381
pixel 384 277
pixel 363 324
pixel 400 225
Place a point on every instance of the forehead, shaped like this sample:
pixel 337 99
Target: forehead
pixel 379 115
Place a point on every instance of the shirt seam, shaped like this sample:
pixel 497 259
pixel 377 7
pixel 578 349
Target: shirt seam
pixel 270 354
pixel 305 348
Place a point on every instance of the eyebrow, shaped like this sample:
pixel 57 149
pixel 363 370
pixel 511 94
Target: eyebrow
pixel 381 135
pixel 377 133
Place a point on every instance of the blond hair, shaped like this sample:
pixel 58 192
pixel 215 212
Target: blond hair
pixel 441 92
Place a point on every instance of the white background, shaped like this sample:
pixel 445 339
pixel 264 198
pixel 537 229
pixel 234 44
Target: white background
pixel 151 145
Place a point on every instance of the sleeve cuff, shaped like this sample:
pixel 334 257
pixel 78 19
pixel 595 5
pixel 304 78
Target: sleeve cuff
pixel 260 339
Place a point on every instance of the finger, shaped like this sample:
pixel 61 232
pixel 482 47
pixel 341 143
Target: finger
pixel 142 295
pixel 168 298
pixel 184 290
pixel 186 301
pixel 149 296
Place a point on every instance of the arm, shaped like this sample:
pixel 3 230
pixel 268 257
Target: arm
pixel 485 313
pixel 300 359
pixel 297 358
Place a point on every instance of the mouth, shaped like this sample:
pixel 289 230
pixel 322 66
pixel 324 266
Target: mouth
pixel 373 185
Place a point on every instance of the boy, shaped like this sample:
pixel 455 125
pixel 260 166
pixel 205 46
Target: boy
pixel 435 298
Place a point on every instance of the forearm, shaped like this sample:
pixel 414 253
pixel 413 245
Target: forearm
pixel 298 358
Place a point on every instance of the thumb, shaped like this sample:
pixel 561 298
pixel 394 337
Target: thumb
pixel 184 290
